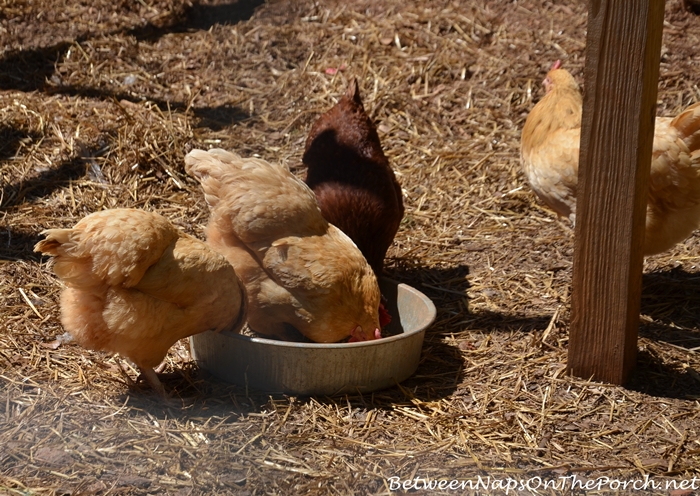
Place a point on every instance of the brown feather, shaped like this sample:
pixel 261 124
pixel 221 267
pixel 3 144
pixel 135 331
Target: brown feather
pixel 356 188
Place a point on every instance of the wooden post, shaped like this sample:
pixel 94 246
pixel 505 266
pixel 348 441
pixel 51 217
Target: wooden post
pixel 623 49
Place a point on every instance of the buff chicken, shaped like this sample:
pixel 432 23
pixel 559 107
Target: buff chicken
pixel 356 188
pixel 135 285
pixel 550 151
pixel 298 269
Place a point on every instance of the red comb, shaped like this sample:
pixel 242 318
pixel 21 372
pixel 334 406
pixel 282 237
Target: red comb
pixel 556 65
pixel 384 317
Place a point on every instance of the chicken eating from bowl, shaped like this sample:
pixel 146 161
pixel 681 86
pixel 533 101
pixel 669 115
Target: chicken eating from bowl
pixel 298 269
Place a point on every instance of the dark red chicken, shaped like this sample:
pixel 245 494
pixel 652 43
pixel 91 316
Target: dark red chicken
pixel 354 184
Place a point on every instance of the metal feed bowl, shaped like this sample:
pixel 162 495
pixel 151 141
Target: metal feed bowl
pixel 324 369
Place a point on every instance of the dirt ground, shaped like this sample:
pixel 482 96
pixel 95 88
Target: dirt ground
pixel 99 102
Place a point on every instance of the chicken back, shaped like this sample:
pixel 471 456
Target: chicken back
pixel 356 188
pixel 550 151
pixel 298 269
pixel 135 285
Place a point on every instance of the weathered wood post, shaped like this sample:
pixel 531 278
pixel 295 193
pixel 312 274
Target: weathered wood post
pixel 623 49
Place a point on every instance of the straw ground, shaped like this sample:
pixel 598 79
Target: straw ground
pixel 99 102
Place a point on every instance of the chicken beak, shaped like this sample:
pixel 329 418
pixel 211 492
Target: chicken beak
pixel 358 335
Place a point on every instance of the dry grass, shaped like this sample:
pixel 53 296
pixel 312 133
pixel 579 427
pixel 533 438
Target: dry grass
pixel 99 104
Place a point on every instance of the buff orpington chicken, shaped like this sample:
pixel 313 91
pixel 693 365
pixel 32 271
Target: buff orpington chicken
pixel 298 269
pixel 550 151
pixel 135 285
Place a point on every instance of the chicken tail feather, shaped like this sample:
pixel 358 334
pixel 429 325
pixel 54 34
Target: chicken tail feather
pixel 353 93
pixel 108 247
pixel 209 168
pixel 688 125
pixel 53 241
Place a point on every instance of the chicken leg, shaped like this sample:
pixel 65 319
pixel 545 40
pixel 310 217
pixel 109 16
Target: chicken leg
pixel 151 377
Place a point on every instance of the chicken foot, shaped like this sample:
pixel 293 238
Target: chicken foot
pixel 148 374
pixel 151 377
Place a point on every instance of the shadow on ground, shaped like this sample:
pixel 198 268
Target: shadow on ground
pixel 656 378
pixel 214 118
pixel 50 179
pixel 672 299
pixel 11 140
pixel 199 17
pixel 29 69
pixel 18 245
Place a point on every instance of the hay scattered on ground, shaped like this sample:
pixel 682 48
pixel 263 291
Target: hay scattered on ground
pixel 100 102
